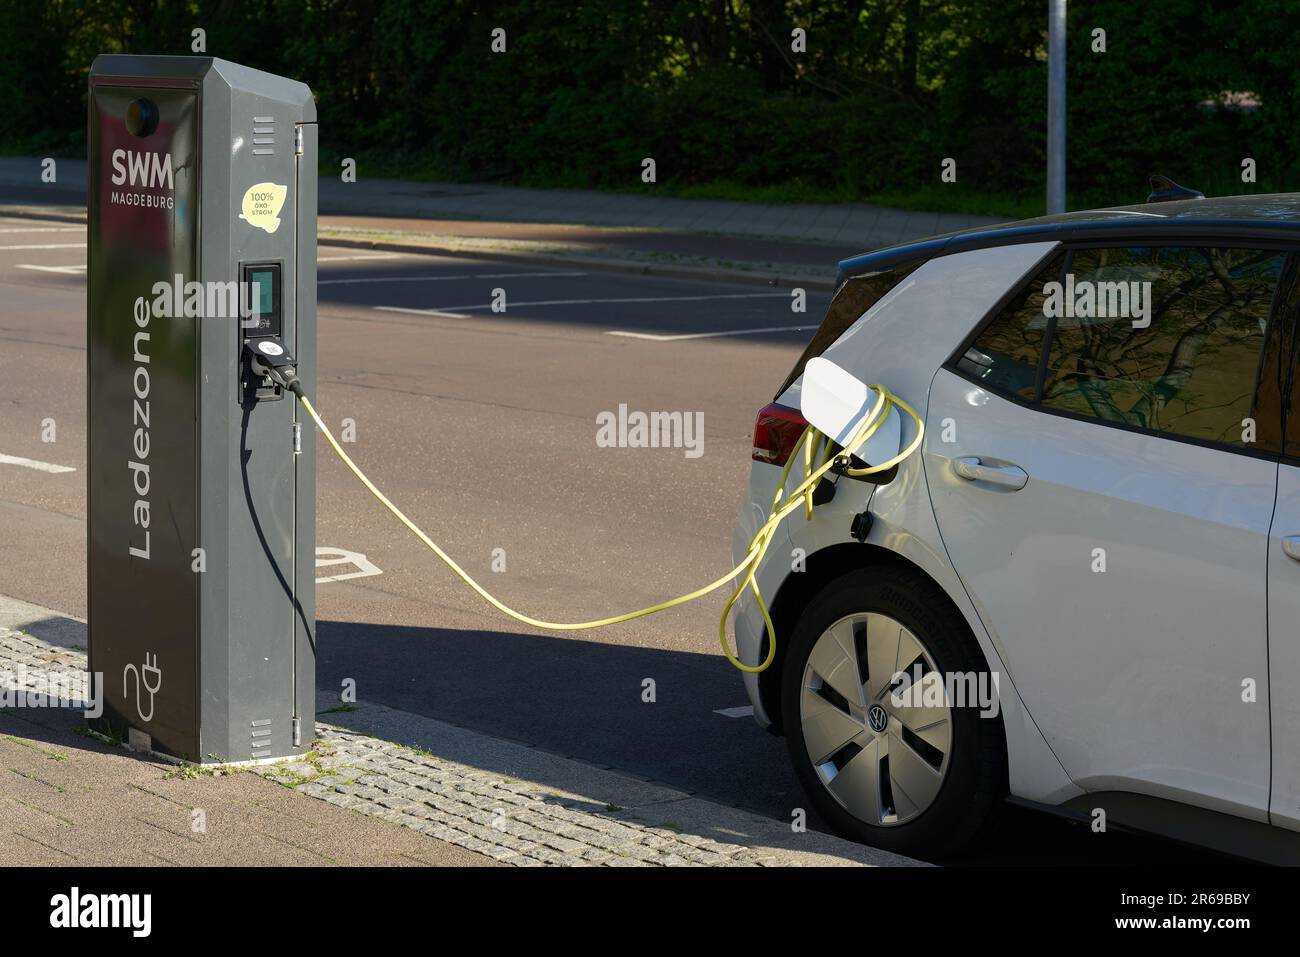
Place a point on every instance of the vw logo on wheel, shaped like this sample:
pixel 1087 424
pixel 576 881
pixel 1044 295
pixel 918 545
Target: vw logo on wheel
pixel 877 718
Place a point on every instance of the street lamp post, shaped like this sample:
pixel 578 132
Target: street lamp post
pixel 1056 106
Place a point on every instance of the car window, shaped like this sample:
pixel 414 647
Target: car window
pixel 851 301
pixel 1163 338
pixel 1279 385
pixel 1006 355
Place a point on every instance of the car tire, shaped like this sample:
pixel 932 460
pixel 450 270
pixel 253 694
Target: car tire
pixel 853 786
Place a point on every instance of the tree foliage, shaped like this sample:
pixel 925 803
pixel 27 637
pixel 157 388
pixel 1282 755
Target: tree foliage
pixel 714 91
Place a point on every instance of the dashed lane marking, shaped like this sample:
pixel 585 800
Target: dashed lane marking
pixel 34 464
pixel 743 712
pixel 44 246
pixel 478 307
pixel 67 270
pixel 485 275
pixel 676 337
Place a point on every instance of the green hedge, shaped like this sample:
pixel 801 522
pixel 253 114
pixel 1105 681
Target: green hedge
pixel 711 90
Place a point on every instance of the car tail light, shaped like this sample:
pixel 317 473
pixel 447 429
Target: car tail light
pixel 776 433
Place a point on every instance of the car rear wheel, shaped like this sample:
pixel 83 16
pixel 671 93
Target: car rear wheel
pixel 891 761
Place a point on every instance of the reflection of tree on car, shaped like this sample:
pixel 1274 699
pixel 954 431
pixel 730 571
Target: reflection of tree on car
pixel 1205 299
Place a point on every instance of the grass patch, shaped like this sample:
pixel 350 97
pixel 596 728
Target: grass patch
pixel 420 751
pixel 935 198
pixel 192 772
pixel 281 772
pixel 52 755
pixel 940 198
pixel 86 731
pixel 66 822
pixel 291 779
pixel 35 779
pixel 796 192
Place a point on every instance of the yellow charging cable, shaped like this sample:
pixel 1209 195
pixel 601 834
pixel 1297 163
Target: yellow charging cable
pixel 800 495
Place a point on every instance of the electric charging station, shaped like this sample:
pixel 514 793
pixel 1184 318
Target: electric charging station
pixel 201 484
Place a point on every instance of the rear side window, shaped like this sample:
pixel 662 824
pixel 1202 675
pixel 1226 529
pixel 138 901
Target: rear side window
pixel 1167 339
pixel 1280 380
pixel 1006 356
pixel 850 302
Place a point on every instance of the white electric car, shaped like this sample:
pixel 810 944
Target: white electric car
pixel 1083 591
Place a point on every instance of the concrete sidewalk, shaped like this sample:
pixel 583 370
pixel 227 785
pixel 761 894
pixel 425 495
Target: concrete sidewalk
pixel 855 225
pixel 424 791
pixel 69 799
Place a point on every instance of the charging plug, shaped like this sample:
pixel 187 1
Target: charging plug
pixel 267 357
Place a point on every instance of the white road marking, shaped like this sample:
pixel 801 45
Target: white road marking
pixel 71 270
pixel 34 464
pixel 47 246
pixel 43 229
pixel 326 557
pixel 485 275
pixel 433 312
pixel 656 337
pixel 746 712
pixel 474 307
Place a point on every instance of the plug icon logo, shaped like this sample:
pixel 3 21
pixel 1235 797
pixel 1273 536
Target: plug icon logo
pixel 149 675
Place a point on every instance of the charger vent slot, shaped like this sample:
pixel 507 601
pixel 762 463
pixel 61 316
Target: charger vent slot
pixel 263 135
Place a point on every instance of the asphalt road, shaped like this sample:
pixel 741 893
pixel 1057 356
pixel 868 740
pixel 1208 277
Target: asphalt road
pixel 482 426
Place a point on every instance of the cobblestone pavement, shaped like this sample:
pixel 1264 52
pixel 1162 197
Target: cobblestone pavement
pixel 560 812
pixel 513 821
pixel 36 666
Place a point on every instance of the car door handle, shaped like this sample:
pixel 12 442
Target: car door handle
pixel 1291 545
pixel 1006 476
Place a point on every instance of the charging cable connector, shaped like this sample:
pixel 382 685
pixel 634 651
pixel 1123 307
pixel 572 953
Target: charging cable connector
pixel 269 358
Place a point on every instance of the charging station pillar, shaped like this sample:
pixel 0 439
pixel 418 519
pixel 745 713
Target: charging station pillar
pixel 201 481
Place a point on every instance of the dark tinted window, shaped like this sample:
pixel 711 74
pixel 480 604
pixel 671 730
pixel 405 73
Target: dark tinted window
pixel 1006 355
pixel 1280 378
pixel 848 305
pixel 1162 338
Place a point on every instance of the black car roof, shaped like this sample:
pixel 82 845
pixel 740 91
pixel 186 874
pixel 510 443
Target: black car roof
pixel 1268 216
